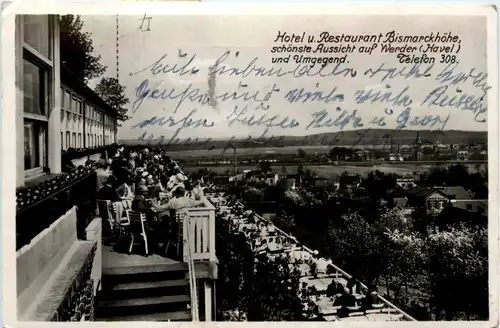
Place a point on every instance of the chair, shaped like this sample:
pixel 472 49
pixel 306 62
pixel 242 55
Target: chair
pixel 104 207
pixel 137 227
pixel 176 234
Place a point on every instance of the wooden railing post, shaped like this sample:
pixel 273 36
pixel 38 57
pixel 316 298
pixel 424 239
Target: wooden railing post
pixel 211 225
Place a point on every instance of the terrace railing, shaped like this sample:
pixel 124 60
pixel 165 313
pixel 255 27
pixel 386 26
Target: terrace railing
pixel 189 252
pixel 33 219
pixel 201 227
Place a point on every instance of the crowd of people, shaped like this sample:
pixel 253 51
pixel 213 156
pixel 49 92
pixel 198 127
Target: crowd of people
pixel 150 182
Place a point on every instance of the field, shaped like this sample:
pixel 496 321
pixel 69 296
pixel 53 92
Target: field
pixel 333 171
pixel 247 151
pixel 326 171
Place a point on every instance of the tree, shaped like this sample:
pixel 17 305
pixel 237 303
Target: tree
pixel 459 273
pixel 274 295
pixel 355 246
pixel 300 170
pixel 265 166
pixel 76 49
pixel 301 153
pixel 406 259
pixel 113 93
pixel 253 195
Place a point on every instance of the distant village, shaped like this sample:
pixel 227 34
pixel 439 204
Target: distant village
pixel 419 150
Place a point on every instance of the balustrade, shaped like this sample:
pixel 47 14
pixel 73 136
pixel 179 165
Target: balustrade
pixel 40 206
pixel 202 231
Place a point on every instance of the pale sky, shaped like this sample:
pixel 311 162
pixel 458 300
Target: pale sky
pixel 452 103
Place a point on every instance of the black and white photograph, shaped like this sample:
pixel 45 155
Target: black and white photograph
pixel 206 162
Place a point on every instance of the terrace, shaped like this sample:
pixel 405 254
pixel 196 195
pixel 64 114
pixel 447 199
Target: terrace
pixel 165 286
pixel 66 274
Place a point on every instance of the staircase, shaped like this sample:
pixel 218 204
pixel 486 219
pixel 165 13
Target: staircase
pixel 155 292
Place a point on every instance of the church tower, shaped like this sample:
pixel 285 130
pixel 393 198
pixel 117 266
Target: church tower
pixel 417 151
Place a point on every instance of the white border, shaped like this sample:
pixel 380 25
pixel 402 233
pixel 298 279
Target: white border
pixel 224 8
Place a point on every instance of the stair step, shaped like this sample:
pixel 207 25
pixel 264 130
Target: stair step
pixel 158 268
pixel 148 285
pixel 144 301
pixel 165 316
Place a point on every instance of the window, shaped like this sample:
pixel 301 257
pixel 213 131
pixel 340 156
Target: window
pixel 62 98
pixel 87 141
pixel 35 81
pixel 74 140
pixel 37 33
pixel 68 141
pixel 80 108
pixel 80 140
pixel 31 146
pixel 35 104
pixel 68 119
pixel 62 140
pixel 74 104
pixel 67 100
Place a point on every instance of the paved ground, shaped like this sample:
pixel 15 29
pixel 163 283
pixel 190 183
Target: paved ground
pixel 112 259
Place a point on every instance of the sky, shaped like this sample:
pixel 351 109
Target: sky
pixel 370 90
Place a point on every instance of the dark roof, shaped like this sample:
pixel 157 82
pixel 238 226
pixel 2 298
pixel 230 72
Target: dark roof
pixel 69 79
pixel 265 175
pixel 420 191
pixel 456 192
pixel 452 214
pixel 399 192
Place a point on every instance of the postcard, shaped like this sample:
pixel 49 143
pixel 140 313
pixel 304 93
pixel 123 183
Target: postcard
pixel 211 162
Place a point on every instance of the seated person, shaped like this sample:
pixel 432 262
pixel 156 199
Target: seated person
pixel 334 288
pixel 189 189
pixel 347 301
pixel 124 191
pixel 139 181
pixel 179 200
pixel 108 191
pixel 197 190
pixel 354 286
pixel 140 204
pixel 371 297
